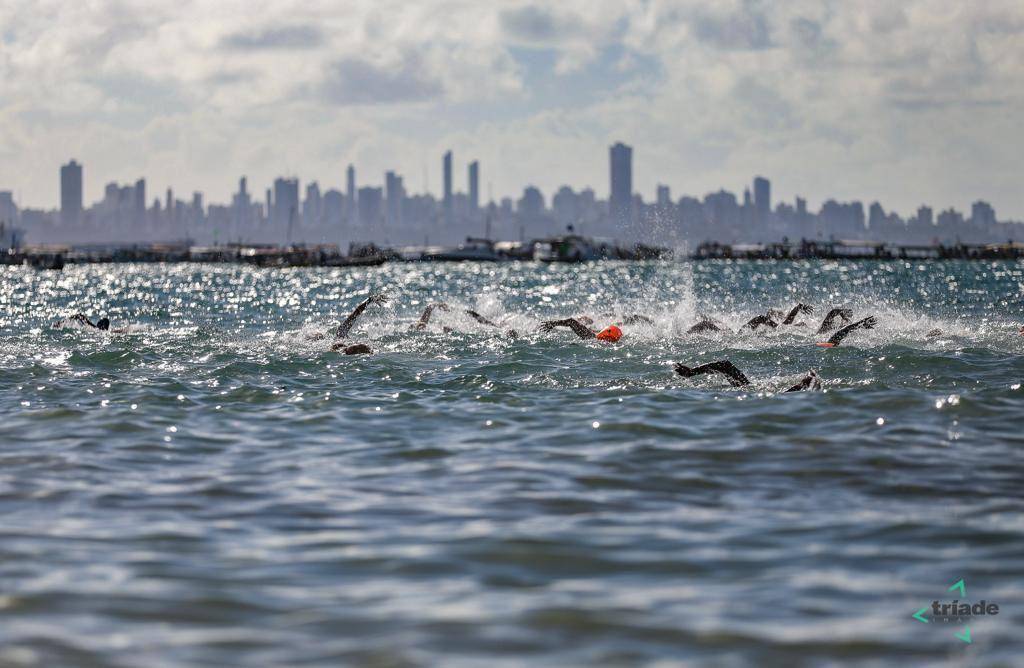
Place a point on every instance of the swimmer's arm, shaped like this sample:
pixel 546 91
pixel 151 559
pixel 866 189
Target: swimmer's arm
pixel 427 312
pixel 808 382
pixel 704 326
pixel 828 323
pixel 756 322
pixel 866 323
pixel 797 310
pixel 575 325
pixel 724 367
pixel 480 319
pixel 636 318
pixel 345 327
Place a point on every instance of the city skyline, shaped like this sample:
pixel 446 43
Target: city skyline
pixel 901 104
pixel 391 214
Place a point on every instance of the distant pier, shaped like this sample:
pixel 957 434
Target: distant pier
pixel 567 249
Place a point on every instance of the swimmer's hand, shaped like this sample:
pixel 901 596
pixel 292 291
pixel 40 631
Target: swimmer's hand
pixel 379 298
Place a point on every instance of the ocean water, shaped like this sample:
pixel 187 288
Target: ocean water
pixel 212 487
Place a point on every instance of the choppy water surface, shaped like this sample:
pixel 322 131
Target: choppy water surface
pixel 213 488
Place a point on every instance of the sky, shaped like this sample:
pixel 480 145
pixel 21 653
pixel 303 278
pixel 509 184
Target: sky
pixel 904 102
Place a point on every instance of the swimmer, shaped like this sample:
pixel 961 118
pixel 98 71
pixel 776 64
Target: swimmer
pixel 866 323
pixel 424 320
pixel 83 320
pixel 346 326
pixel 610 333
pixel 103 324
pixel 737 378
pixel 707 324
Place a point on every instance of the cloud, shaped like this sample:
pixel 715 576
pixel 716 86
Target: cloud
pixel 356 81
pixel 744 29
pixel 532 24
pixel 286 37
pixel 904 102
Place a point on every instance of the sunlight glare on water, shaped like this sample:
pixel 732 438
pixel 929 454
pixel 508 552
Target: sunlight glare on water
pixel 215 486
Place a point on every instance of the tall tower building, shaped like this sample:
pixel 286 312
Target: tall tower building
pixel 474 187
pixel 620 202
pixel 762 197
pixel 447 165
pixel 394 195
pixel 139 202
pixel 286 202
pixel 350 192
pixel 71 193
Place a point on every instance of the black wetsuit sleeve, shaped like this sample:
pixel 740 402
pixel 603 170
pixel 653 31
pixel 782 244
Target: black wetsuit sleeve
pixel 797 310
pixel 575 325
pixel 704 326
pixel 480 319
pixel 724 367
pixel 345 327
pixel 808 382
pixel 866 323
pixel 828 324
pixel 756 322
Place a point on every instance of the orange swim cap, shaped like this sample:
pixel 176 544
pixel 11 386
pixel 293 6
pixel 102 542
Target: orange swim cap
pixel 826 344
pixel 610 333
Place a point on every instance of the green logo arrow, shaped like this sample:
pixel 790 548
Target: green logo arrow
pixel 919 616
pixel 966 635
pixel 959 584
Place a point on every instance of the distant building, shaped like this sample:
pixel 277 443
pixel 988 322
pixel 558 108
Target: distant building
pixel 531 204
pixel 71 193
pixel 8 210
pixel 983 214
pixel 565 206
pixel 664 197
pixel 350 177
pixel 394 196
pixel 312 206
pixel 951 220
pixel 371 206
pixel 620 202
pixel 925 216
pixel 446 164
pixel 762 197
pixel 241 204
pixel 286 202
pixel 474 187
pixel 139 202
pixel 334 207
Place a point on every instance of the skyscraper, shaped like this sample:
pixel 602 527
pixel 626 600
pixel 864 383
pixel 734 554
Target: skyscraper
pixel 371 209
pixel 762 197
pixel 394 194
pixel 71 193
pixel 447 201
pixel 139 202
pixel 474 187
pixel 664 197
pixel 620 202
pixel 8 210
pixel 286 202
pixel 242 203
pixel 351 192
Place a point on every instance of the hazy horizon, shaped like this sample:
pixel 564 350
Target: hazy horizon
pixel 904 105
